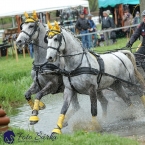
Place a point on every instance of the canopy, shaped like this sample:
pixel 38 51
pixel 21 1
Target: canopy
pixel 18 7
pixel 112 3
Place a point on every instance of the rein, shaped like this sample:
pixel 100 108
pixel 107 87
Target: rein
pixel 42 68
pixel 35 29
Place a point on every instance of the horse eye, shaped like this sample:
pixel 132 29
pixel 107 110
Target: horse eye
pixel 31 26
pixel 55 39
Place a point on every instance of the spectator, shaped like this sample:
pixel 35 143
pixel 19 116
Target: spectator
pixel 110 15
pixel 127 18
pixel 136 20
pixel 107 23
pixel 83 26
pixel 113 32
pixel 140 31
pixel 31 49
pixel 92 29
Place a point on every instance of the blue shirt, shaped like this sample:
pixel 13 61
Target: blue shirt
pixel 92 24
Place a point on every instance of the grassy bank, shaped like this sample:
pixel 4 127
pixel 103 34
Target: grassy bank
pixel 14 80
pixel 121 43
pixel 23 137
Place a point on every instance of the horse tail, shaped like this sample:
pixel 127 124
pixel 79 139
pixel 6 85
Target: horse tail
pixel 137 73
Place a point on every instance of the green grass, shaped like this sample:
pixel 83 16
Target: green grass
pixel 15 79
pixel 77 138
pixel 121 43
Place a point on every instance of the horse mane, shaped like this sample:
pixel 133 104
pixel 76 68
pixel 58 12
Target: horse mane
pixel 68 30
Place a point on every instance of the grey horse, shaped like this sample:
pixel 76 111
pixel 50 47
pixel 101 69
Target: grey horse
pixel 82 72
pixel 45 79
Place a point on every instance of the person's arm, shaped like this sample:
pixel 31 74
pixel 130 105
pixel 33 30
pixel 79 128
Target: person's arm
pixel 102 24
pixel 124 17
pixel 88 24
pixel 78 25
pixel 134 36
pixel 111 22
pixel 94 26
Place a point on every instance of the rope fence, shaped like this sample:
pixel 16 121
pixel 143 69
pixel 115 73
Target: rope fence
pixel 108 30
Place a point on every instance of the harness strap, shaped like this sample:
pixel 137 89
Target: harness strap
pixel 130 83
pixel 69 78
pixel 122 63
pixel 87 70
pixel 37 80
pixel 45 66
pixel 80 71
pixel 101 66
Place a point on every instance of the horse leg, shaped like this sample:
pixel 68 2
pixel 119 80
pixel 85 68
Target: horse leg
pixel 139 91
pixel 117 87
pixel 34 118
pixel 33 90
pixel 68 94
pixel 93 99
pixel 104 102
pixel 75 108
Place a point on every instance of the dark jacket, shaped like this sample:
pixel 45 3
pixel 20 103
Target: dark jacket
pixel 82 24
pixel 107 23
pixel 140 30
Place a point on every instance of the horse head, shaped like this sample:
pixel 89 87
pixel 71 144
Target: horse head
pixel 29 30
pixel 56 43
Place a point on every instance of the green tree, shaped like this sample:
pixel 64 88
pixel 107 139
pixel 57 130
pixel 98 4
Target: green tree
pixel 93 5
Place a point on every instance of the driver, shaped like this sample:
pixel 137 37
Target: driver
pixel 140 30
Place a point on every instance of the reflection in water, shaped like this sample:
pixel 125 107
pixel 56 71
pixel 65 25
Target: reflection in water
pixel 120 119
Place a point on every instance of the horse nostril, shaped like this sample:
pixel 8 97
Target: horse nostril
pixel 50 58
pixel 18 42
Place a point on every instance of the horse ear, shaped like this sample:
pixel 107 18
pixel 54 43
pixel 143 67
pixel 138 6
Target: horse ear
pixel 35 15
pixel 57 26
pixel 26 15
pixel 49 25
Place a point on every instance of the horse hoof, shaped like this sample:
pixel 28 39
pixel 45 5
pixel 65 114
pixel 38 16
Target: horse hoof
pixel 41 105
pixel 33 120
pixel 53 136
pixel 56 130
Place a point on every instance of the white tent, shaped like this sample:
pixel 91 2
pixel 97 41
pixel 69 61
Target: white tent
pixel 18 7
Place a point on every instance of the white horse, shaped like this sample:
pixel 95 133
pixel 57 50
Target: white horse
pixel 84 75
pixel 45 79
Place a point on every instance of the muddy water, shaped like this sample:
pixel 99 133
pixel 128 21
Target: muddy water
pixel 120 120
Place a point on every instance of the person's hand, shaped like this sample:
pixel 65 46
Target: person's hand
pixel 128 45
pixel 91 29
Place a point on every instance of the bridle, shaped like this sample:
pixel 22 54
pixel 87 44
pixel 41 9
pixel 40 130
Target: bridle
pixel 59 38
pixel 36 28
